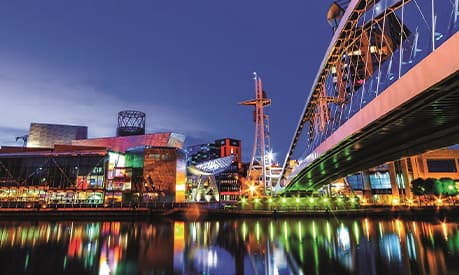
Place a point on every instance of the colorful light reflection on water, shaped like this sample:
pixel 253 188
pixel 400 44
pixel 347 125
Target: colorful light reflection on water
pixel 243 246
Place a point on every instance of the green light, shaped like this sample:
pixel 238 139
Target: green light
pixel 300 231
pixel 316 257
pixel 356 232
pixel 325 199
pixel 284 200
pixel 257 231
pixel 297 200
pixel 322 166
pixel 285 232
pixel 244 230
pixel 243 200
pixel 311 200
pixel 257 200
pixel 271 231
pixel 300 249
pixel 314 232
pixel 26 262
pixel 270 200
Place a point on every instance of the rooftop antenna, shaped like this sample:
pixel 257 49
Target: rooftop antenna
pixel 24 139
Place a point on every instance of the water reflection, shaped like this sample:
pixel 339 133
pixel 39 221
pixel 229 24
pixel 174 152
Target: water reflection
pixel 251 246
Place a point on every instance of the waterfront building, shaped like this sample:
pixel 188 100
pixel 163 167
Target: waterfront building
pixel 229 147
pixel 201 180
pixel 60 165
pixel 228 180
pixel 62 175
pixel 390 183
pixel 202 152
pixel 45 135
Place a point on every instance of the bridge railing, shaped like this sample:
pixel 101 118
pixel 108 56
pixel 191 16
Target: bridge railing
pixel 388 39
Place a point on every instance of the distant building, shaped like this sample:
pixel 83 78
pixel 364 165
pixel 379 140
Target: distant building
pixel 201 182
pixel 78 174
pixel 46 135
pixel 228 147
pixel 202 152
pixel 443 163
pixel 122 143
pixel 60 165
pixel 228 181
pixel 391 181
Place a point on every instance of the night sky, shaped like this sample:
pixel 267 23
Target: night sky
pixel 186 64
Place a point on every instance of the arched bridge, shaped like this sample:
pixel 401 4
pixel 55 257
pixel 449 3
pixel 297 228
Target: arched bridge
pixel 387 87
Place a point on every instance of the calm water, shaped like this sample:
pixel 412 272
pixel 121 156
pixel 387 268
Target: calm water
pixel 251 246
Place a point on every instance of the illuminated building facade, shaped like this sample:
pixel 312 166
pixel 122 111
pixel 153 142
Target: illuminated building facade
pixel 202 152
pixel 201 180
pixel 46 135
pixel 140 168
pixel 165 171
pixel 123 143
pixel 391 182
pixel 229 147
pixel 229 180
pixel 62 175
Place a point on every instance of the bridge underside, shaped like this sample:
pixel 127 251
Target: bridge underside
pixel 428 121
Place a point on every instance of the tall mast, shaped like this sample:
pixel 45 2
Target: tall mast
pixel 259 163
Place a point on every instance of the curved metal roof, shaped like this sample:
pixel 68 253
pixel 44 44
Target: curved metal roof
pixel 211 167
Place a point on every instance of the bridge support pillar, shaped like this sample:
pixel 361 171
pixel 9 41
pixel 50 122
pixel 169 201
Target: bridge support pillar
pixel 393 182
pixel 367 187
pixel 406 178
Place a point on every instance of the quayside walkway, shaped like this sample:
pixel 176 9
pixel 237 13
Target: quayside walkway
pixel 439 213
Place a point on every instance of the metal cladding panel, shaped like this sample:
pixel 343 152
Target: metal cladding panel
pixel 176 140
pixel 46 135
pixel 121 144
pixel 160 167
pixel 216 166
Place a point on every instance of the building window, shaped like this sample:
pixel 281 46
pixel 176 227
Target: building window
pixel 441 166
pixel 380 180
pixel 355 181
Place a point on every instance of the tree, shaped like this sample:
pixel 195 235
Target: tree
pixel 418 187
pixel 429 186
pixel 449 186
pixel 423 187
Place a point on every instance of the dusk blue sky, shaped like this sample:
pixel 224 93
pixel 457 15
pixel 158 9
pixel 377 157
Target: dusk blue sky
pixel 186 64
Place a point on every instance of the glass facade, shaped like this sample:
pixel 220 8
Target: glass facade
pixel 54 171
pixel 91 176
pixel 202 152
pixel 164 173
pixel 355 181
pixel 53 178
pixel 228 178
pixel 380 183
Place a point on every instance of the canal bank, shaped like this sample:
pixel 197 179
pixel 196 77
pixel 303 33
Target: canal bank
pixel 197 213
